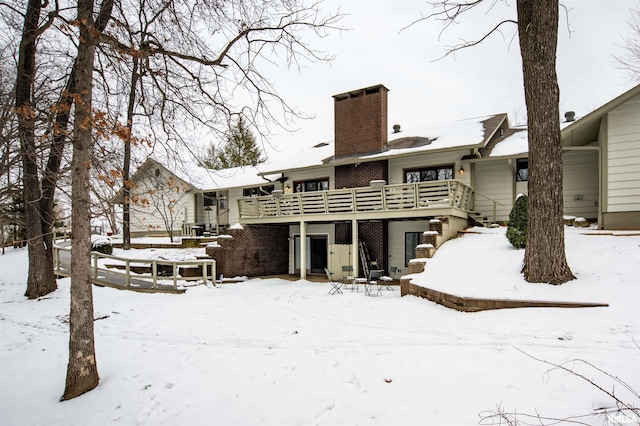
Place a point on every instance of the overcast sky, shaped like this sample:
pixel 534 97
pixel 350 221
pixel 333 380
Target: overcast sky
pixel 483 80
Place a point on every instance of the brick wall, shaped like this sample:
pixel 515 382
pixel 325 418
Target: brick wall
pixel 360 121
pixel 374 235
pixel 358 175
pixel 254 251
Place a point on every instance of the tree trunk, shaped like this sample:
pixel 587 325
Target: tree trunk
pixel 82 371
pixel 544 258
pixel 126 190
pixel 41 280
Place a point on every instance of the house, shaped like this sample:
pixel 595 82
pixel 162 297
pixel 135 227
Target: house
pixel 367 198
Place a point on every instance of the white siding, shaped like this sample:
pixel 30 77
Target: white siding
pixel 494 181
pixel 234 214
pixel 580 183
pixel 145 217
pixel 397 231
pixel 623 158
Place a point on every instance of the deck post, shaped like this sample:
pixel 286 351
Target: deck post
pixel 175 276
pixel 56 258
pixel 303 250
pixel 354 246
pixel 204 273
pixel 127 270
pixel 154 273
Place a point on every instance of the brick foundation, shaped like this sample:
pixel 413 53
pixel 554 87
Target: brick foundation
pixel 256 250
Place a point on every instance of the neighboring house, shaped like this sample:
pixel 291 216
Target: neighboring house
pixel 374 191
pixel 177 200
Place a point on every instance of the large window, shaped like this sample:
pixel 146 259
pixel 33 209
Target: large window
pixel 257 191
pixel 209 199
pixel 522 169
pixel 426 174
pixel 311 185
pixel 411 241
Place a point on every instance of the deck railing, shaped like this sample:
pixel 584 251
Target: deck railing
pixel 422 195
pixel 151 279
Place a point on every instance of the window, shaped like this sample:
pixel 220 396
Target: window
pixel 209 199
pixel 411 241
pixel 427 174
pixel 257 191
pixel 311 185
pixel 522 169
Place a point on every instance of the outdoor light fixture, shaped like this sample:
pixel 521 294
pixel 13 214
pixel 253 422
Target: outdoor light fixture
pixel 461 171
pixel 287 188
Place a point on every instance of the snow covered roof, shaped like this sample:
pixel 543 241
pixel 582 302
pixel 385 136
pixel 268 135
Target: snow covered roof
pixel 469 133
pixel 207 179
pixel 514 144
pixel 301 157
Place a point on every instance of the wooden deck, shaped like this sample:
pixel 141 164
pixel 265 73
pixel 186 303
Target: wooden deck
pixel 150 282
pixel 389 201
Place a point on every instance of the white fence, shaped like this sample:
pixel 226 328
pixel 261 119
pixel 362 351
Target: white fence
pixel 139 274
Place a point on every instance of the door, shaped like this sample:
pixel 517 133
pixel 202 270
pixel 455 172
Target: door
pixel 223 208
pixel 318 248
pixel 316 256
pixel 340 260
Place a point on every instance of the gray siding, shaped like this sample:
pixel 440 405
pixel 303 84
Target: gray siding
pixel 494 181
pixel 580 184
pixel 623 158
pixel 396 242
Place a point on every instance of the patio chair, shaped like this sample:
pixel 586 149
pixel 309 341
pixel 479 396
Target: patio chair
pixel 385 282
pixel 393 271
pixel 347 277
pixel 335 285
pixel 374 279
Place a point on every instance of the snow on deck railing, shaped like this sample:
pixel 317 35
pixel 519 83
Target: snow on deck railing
pixel 114 276
pixel 423 195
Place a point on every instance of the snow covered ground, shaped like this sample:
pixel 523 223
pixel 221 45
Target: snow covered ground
pixel 273 352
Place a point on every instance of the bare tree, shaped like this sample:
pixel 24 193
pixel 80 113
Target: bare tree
pixel 158 195
pixel 41 281
pixel 630 61
pixel 622 399
pixel 183 79
pixel 82 371
pixel 544 259
pixel 43 131
pixel 11 217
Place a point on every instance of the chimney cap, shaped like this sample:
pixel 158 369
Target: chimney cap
pixel 396 128
pixel 359 92
pixel 570 116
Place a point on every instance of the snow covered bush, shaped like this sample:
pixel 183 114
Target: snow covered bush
pixel 517 229
pixel 101 244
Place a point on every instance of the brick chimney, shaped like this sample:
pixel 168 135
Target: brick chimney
pixel 360 121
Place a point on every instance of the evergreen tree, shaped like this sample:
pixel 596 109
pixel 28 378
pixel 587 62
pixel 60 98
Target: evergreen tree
pixel 518 220
pixel 240 149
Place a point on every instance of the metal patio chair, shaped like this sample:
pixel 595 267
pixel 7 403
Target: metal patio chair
pixel 374 280
pixel 348 278
pixel 335 285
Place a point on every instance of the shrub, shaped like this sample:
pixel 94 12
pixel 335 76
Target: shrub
pixel 518 218
pixel 101 244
